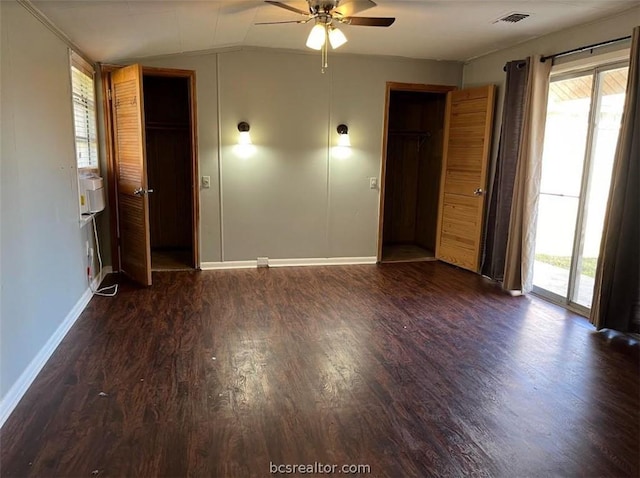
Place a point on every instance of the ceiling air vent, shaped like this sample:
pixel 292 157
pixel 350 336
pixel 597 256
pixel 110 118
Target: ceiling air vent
pixel 513 18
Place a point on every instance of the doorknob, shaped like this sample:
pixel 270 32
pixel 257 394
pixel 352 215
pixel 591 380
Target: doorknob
pixel 141 192
pixel 478 192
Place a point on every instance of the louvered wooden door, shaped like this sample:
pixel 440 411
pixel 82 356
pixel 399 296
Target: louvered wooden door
pixel 131 173
pixel 467 144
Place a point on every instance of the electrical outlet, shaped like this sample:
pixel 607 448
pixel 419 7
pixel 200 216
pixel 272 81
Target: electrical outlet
pixel 206 182
pixel 263 262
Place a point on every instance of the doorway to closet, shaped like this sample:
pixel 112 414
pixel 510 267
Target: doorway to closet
pixel 151 124
pixel 168 144
pixel 412 166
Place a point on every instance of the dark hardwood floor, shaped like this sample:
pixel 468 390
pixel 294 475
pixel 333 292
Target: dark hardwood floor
pixel 415 369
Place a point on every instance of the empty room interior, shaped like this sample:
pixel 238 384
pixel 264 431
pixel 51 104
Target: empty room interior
pixel 247 238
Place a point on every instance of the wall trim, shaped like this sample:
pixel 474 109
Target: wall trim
pixel 262 49
pixel 20 387
pixel 212 266
pixel 316 261
pixel 322 261
pixel 42 18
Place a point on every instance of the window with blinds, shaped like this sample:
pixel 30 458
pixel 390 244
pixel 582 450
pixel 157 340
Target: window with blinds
pixel 84 112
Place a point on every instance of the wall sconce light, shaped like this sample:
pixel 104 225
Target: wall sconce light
pixel 343 149
pixel 245 147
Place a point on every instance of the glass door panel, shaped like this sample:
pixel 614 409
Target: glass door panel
pixel 608 114
pixel 566 134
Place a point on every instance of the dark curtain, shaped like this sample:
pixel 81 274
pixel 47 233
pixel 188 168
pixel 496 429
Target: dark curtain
pixel 499 213
pixel 616 298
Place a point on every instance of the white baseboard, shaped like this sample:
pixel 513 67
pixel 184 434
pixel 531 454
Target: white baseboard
pixel 20 387
pixel 318 261
pixel 322 261
pixel 212 266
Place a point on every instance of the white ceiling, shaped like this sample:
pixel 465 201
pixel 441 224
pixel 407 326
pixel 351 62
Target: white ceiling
pixel 109 30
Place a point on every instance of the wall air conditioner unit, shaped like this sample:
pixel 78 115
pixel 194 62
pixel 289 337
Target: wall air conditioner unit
pixel 92 198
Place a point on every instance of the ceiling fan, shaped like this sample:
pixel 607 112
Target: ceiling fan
pixel 325 13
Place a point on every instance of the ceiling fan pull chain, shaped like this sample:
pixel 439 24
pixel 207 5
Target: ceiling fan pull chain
pixel 325 48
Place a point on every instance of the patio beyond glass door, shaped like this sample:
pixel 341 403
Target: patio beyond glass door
pixel 583 121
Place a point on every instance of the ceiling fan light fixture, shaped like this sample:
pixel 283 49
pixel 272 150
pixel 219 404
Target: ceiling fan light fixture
pixel 336 38
pixel 316 37
pixel 324 13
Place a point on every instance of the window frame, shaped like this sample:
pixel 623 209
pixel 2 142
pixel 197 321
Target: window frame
pixel 87 68
pixel 90 120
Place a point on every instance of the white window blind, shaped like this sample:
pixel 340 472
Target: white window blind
pixel 84 112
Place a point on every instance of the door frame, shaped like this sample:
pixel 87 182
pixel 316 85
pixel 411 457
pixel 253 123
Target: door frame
pixel 106 71
pixel 395 86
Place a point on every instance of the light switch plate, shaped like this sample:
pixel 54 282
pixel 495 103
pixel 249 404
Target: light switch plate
pixel 373 183
pixel 206 182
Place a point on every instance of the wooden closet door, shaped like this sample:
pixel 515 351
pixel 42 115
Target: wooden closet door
pixel 131 173
pixel 467 144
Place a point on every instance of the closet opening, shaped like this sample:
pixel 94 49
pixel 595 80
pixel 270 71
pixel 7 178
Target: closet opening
pixel 411 172
pixel 169 152
pixel 150 117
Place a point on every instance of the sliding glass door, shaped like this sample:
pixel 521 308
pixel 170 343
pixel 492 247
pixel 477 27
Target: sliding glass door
pixel 583 121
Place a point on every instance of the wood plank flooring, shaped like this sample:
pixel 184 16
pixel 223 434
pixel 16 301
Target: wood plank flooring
pixel 413 369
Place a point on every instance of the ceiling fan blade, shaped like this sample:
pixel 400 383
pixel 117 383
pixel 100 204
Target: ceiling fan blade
pixel 286 7
pixel 278 23
pixel 369 21
pixel 351 7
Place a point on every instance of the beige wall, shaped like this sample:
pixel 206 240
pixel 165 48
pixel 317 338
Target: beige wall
pixel 42 249
pixel 489 68
pixel 292 199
